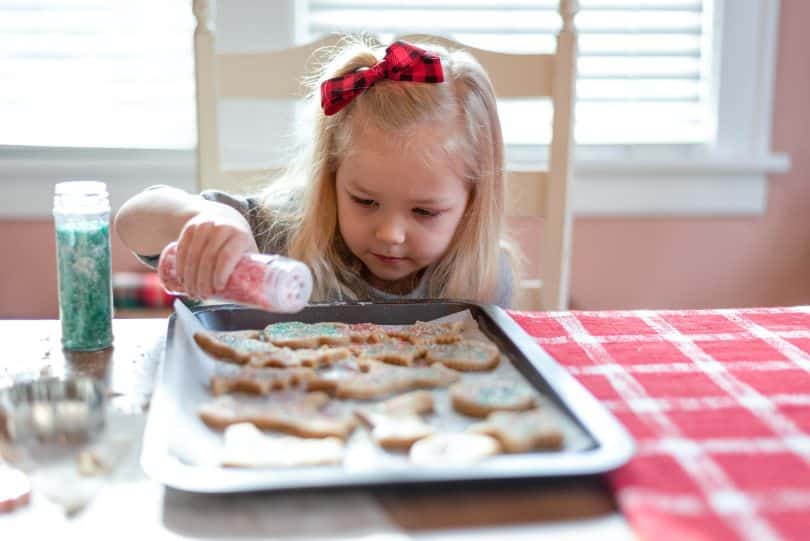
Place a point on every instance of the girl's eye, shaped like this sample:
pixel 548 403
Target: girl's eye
pixel 425 212
pixel 363 202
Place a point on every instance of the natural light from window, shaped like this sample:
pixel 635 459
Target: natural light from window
pixel 96 73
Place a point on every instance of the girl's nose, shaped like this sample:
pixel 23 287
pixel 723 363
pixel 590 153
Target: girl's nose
pixel 391 231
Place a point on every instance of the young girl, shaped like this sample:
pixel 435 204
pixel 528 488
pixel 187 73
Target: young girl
pixel 400 194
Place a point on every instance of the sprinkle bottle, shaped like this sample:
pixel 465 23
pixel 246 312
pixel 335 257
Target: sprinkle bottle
pixel 271 282
pixel 81 212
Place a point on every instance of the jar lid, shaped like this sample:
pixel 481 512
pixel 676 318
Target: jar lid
pixel 81 187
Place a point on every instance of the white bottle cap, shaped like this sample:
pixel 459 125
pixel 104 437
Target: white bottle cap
pixel 81 196
pixel 288 286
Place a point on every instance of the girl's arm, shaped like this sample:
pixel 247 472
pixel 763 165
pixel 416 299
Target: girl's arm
pixel 150 220
pixel 211 236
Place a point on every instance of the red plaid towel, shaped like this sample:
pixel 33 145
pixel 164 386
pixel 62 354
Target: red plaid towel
pixel 719 404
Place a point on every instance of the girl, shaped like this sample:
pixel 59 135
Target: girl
pixel 399 195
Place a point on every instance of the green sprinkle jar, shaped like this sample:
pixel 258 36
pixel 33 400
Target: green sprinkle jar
pixel 81 212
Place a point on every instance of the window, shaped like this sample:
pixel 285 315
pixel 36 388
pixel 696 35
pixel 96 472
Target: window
pixel 644 66
pixel 673 114
pixel 96 73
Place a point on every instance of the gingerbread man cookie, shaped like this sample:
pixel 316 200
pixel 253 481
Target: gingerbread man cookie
pixel 366 333
pixel 465 355
pixel 423 332
pixel 261 380
pixel 392 351
pixel 396 423
pixel 243 348
pixel 308 415
pixel 520 432
pixel 379 379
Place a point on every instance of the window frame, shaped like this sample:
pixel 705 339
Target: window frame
pixel 727 178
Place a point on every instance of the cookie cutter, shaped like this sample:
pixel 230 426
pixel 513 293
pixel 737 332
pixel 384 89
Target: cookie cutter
pixel 50 417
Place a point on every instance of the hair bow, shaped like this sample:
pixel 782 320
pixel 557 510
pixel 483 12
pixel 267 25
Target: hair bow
pixel 402 62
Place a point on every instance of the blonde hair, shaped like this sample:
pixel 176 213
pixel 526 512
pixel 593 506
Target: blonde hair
pixel 472 264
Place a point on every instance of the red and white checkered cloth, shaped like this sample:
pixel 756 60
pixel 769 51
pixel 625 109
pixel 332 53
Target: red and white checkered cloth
pixel 719 404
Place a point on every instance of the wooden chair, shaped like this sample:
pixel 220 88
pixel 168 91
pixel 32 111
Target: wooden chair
pixel 537 195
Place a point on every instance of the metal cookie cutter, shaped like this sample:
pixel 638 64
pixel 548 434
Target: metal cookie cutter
pixel 48 418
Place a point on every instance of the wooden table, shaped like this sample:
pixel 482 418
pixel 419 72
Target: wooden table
pixel 134 504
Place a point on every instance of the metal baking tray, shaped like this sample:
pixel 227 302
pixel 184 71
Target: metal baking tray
pixel 180 451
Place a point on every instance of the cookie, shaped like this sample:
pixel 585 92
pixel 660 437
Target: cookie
pixel 247 447
pixel 327 379
pixel 366 333
pixel 398 431
pixel 484 396
pixel 391 351
pixel 453 449
pixel 295 334
pixel 520 432
pixel 379 379
pixel 243 348
pixel 396 423
pixel 308 415
pixel 235 346
pixel 412 403
pixel 465 355
pixel 429 333
pixel 261 380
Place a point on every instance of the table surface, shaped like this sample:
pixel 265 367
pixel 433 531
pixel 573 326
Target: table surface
pixel 571 509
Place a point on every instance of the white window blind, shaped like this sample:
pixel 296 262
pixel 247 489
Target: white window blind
pixel 119 73
pixel 644 65
pixel 96 73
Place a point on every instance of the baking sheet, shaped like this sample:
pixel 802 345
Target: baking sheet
pixel 180 451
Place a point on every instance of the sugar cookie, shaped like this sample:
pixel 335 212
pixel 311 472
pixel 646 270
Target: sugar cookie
pixel 465 355
pixel 391 351
pixel 247 447
pixel 309 415
pixel 453 449
pixel 521 432
pixel 481 397
pixel 423 332
pixel 296 334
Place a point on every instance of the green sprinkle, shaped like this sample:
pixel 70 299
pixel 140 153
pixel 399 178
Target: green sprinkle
pixel 85 289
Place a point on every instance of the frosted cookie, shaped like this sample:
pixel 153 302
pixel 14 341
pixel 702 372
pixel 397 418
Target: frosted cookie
pixel 235 346
pixel 391 351
pixel 380 379
pixel 327 379
pixel 412 403
pixel 322 356
pixel 247 447
pixel 481 397
pixel 520 432
pixel 261 380
pixel 244 349
pixel 453 449
pixel 429 333
pixel 296 334
pixel 366 333
pixel 465 355
pixel 308 415
pixel 396 423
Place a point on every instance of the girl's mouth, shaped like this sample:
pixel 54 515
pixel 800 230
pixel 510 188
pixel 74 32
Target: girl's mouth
pixel 388 260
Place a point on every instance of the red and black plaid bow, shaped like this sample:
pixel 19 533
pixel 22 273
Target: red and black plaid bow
pixel 402 62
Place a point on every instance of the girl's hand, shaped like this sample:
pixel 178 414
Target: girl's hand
pixel 209 247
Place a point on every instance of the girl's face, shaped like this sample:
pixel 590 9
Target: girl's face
pixel 397 211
